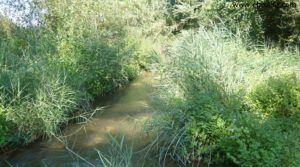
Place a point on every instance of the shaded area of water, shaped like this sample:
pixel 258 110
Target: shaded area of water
pixel 124 114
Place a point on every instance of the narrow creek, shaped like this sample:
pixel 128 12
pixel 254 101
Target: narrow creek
pixel 123 115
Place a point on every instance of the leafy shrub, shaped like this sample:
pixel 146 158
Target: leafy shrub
pixel 278 96
pixel 109 66
pixel 253 141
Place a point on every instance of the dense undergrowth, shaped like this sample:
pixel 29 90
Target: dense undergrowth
pixel 78 51
pixel 259 21
pixel 227 104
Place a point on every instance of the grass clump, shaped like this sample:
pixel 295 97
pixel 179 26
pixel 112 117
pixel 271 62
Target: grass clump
pixel 119 155
pixel 227 104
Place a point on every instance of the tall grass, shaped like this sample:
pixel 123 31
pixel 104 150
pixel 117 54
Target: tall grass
pixel 78 51
pixel 35 97
pixel 212 115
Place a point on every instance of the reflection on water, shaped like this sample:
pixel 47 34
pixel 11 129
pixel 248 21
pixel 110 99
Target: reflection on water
pixel 124 113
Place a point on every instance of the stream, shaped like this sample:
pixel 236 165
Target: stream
pixel 123 114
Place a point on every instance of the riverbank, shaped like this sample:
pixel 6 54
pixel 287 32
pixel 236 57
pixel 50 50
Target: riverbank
pixel 124 114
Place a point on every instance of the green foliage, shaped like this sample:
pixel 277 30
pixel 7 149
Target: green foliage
pixel 80 50
pixel 258 20
pixel 108 66
pixel 43 114
pixel 218 93
pixel 254 141
pixel 278 96
pixel 4 128
pixel 182 14
pixel 275 23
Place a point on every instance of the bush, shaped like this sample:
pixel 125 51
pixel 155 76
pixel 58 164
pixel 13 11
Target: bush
pixel 278 96
pixel 109 66
pixel 254 141
pixel 257 20
pixel 213 94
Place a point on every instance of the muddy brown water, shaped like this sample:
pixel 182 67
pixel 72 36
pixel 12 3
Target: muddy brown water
pixel 124 115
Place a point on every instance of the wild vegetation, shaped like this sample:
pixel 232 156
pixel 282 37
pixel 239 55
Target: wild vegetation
pixel 79 51
pixel 226 104
pixel 230 90
pixel 260 21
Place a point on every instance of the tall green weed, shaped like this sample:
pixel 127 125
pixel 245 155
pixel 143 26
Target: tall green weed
pixel 212 92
